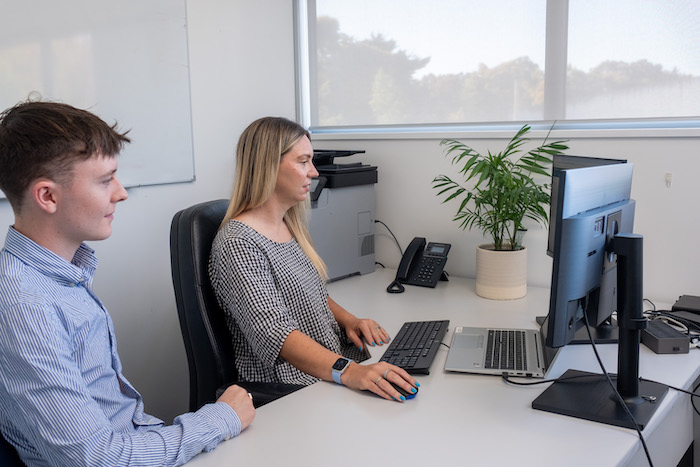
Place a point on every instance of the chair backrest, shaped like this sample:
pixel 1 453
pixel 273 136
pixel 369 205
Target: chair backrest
pixel 8 455
pixel 205 333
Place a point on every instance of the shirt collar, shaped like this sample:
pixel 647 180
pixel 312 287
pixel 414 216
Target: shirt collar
pixel 48 263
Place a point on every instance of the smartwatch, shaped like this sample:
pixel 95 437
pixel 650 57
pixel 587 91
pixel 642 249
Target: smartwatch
pixel 339 367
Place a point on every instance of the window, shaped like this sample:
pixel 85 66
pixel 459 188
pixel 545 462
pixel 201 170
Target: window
pixel 445 62
pixel 633 59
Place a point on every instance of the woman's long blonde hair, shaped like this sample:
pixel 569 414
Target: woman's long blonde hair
pixel 260 148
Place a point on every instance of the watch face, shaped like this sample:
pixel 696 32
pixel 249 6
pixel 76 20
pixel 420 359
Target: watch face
pixel 340 364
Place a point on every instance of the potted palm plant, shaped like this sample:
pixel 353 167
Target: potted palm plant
pixel 507 187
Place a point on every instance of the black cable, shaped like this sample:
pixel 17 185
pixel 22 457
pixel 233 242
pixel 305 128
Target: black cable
pixel 506 378
pixel 614 388
pixel 693 331
pixel 392 234
pixel 694 393
pixel 685 322
pixel 690 325
pixel 651 303
pixel 395 286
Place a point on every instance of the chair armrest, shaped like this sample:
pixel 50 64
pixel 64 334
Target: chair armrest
pixel 263 393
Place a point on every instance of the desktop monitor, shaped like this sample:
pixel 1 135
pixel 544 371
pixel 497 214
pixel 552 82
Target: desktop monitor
pixel 597 270
pixel 590 206
pixel 563 162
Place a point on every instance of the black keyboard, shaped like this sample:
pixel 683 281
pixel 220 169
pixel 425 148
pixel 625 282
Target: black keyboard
pixel 415 346
pixel 505 350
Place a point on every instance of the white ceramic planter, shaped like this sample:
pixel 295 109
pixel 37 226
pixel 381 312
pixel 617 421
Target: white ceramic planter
pixel 501 275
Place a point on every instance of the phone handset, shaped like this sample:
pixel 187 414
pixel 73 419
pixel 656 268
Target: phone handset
pixel 414 251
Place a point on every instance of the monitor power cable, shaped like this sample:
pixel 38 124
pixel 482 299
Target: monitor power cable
pixel 616 392
pixel 689 327
pixel 508 380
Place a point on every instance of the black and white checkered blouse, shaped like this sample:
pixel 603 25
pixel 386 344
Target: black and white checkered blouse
pixel 267 290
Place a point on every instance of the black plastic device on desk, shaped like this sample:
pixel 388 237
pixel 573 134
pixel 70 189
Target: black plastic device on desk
pixel 415 346
pixel 421 265
pixel 689 303
pixel 664 339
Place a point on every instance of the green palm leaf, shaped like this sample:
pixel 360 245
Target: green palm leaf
pixel 499 190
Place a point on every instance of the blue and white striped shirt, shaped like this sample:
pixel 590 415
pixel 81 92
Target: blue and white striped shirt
pixel 63 397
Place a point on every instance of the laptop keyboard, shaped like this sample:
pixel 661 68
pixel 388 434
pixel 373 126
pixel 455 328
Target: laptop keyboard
pixel 415 346
pixel 505 350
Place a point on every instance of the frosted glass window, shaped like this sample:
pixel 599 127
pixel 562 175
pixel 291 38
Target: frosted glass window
pixel 428 61
pixel 442 62
pixel 633 59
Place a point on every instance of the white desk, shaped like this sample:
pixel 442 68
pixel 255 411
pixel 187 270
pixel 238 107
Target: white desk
pixel 469 419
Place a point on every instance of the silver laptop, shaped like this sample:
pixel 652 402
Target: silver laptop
pixel 516 352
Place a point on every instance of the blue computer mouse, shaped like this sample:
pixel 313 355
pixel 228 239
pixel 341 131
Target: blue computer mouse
pixel 403 392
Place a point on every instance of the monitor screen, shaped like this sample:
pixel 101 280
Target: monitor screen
pixel 592 205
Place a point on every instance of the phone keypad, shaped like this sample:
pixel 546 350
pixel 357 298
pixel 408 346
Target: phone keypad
pixel 427 270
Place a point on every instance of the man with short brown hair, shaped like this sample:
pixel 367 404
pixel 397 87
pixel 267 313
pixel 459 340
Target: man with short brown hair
pixel 63 397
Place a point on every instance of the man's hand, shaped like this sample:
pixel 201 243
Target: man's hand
pixel 240 402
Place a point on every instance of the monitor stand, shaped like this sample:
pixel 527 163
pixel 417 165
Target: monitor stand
pixel 604 333
pixel 590 396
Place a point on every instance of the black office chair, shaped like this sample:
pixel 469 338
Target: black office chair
pixel 204 330
pixel 8 454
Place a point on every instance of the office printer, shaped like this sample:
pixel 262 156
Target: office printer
pixel 342 216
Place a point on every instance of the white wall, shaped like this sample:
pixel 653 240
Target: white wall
pixel 668 218
pixel 242 67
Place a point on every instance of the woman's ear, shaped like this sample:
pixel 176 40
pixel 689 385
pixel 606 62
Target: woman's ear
pixel 43 194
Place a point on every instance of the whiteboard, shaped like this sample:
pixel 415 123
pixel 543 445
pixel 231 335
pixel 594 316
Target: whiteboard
pixel 125 61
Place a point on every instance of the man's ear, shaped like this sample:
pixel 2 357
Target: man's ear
pixel 43 193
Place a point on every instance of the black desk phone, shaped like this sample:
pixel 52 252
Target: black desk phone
pixel 421 265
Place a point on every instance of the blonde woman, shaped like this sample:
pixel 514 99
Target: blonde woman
pixel 270 281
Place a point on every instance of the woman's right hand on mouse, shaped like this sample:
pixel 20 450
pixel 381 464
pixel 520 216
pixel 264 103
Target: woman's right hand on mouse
pixel 377 378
